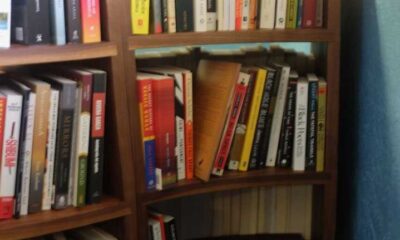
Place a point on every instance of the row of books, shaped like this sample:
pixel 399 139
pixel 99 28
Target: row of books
pixel 85 233
pixel 170 16
pixel 162 227
pixel 49 21
pixel 51 139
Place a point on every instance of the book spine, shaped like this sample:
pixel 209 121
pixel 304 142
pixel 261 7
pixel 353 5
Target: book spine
pixel 27 156
pixel 232 15
pixel 238 14
pixel 156 22
pixel 5 23
pixel 252 121
pixel 188 96
pixel 322 89
pixel 180 126
pixel 160 219
pixel 309 12
pixel 225 145
pixel 253 14
pixel 73 21
pixel 291 15
pixel 164 15
pixel 286 144
pixel 211 15
pixel 6 204
pixel 278 116
pixel 227 15
pixel 312 121
pixel 140 12
pixel 91 28
pixel 300 13
pixel 245 15
pixel 300 129
pixel 57 22
pixel 171 16
pixel 267 14
pixel 280 21
pixel 261 122
pixel 184 16
pixel 319 15
pixel 170 229
pixel 50 151
pixel 96 148
pixel 200 15
pixel 220 15
pixel 155 230
pixel 9 155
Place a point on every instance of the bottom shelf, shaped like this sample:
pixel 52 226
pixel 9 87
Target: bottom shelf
pixel 46 222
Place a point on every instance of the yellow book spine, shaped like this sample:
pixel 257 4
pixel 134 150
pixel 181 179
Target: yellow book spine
pixel 140 12
pixel 252 121
pixel 291 14
pixel 321 125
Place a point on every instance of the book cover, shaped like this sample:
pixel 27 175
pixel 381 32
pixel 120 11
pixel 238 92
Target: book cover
pixel 156 18
pixel 252 119
pixel 267 14
pixel 57 23
pixel 238 14
pixel 229 131
pixel 312 121
pixel 91 26
pixel 253 14
pixel 321 128
pixel 309 13
pixel 300 14
pixel 211 112
pixel 211 15
pixel 73 21
pixel 140 13
pixel 220 15
pixel 200 15
pixel 171 16
pixel 5 23
pixel 184 16
pixel 9 151
pixel 164 15
pixel 280 20
pixel 245 15
pixel 319 15
pixel 300 127
pixel 291 14
pixel 25 16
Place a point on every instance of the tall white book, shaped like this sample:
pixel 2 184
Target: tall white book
pixel 200 15
pixel 245 14
pixel 281 7
pixel 267 14
pixel 232 15
pixel 220 15
pixel 171 16
pixel 226 14
pixel 5 23
pixel 300 126
pixel 50 151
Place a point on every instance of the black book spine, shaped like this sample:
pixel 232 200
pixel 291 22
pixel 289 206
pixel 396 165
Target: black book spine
pixel 268 123
pixel 312 120
pixel 285 151
pixel 164 15
pixel 184 16
pixel 96 147
pixel 170 230
pixel 73 21
pixel 262 117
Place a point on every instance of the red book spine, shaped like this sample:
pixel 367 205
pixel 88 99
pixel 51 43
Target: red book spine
pixel 188 99
pixel 224 149
pixel 238 15
pixel 159 218
pixel 309 13
pixel 6 203
pixel 91 28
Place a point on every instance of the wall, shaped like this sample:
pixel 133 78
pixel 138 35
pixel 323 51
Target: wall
pixel 369 168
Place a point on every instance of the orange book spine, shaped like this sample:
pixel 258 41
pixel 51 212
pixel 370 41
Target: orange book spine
pixel 6 203
pixel 91 26
pixel 188 97
pixel 253 15
pixel 238 14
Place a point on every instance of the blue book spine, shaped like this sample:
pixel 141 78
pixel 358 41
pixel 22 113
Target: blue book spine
pixel 300 13
pixel 150 163
pixel 58 33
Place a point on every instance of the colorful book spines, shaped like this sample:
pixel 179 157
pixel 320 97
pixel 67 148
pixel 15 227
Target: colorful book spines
pixel 140 13
pixel 91 28
pixel 321 127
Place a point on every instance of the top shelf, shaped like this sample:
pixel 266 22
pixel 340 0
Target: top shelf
pixel 203 38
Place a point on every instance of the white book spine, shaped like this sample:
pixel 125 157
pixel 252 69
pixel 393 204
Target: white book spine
pixel 220 15
pixel 180 129
pixel 10 147
pixel 300 126
pixel 27 162
pixel 226 14
pixel 50 152
pixel 319 16
pixel 280 21
pixel 211 15
pixel 245 14
pixel 155 227
pixel 171 16
pixel 200 15
pixel 5 23
pixel 232 15
pixel 277 117
pixel 267 14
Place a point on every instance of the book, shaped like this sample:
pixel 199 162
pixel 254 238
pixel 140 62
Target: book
pixel 73 21
pixel 25 16
pixel 231 15
pixel 300 14
pixel 164 15
pixel 252 119
pixel 319 15
pixel 50 150
pixel 220 15
pixel 158 217
pixel 267 14
pixel 211 15
pixel 312 122
pixel 245 15
pixel 57 23
pixel 140 14
pixel 90 19
pixel 262 119
pixel 227 16
pixel 184 16
pixel 309 13
pixel 6 202
pixel 278 115
pixel 229 131
pixel 300 126
pixel 238 14
pixel 155 230
pixel 171 16
pixel 253 14
pixel 321 127
pixel 170 227
pixel 95 169
pixel 90 233
pixel 280 18
pixel 200 15
pixel 9 150
pixel 212 112
pixel 291 14
pixel 5 23
pixel 156 19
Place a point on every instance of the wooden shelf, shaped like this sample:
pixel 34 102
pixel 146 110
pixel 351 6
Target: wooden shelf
pixel 236 180
pixel 193 38
pixel 22 55
pixel 54 221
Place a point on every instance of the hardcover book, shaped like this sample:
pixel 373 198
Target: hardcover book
pixel 184 16
pixel 253 14
pixel 319 16
pixel 200 15
pixel 171 16
pixel 164 15
pixel 280 18
pixel 299 14
pixel 291 14
pixel 5 23
pixel 245 15
pixel 267 14
pixel 140 13
pixel 238 14
pixel 73 21
pixel 321 127
pixel 211 15
pixel 6 202
pixel 220 15
pixel 57 23
pixel 312 121
pixel 91 26
pixel 309 13
pixel 156 22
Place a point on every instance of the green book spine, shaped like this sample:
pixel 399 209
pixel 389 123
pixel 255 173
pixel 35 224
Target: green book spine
pixel 291 14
